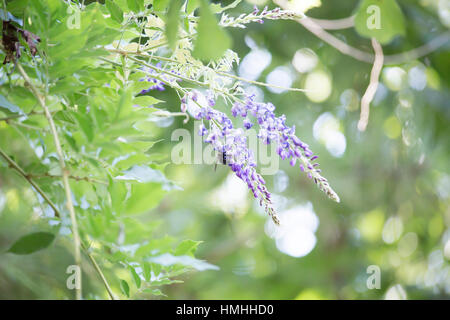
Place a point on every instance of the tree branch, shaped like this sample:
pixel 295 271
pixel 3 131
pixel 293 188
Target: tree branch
pixel 344 48
pixel 76 178
pixel 336 24
pixel 65 174
pixel 99 271
pixel 16 167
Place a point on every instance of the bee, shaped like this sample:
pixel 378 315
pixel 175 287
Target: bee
pixel 221 158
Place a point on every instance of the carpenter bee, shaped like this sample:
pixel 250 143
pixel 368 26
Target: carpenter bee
pixel 221 158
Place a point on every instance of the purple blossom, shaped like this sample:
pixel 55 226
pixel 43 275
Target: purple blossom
pixel 155 83
pixel 274 129
pixel 247 123
pixel 225 138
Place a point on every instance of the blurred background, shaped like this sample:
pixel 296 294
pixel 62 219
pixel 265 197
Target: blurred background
pixel 393 179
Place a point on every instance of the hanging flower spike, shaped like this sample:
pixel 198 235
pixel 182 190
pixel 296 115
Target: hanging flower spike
pixel 225 138
pixel 289 146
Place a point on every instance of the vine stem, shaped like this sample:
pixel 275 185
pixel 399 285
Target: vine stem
pixel 16 167
pixel 373 85
pixel 65 177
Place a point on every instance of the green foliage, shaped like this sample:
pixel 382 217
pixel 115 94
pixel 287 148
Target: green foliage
pixel 173 22
pixel 99 112
pixel 114 10
pixel 212 40
pixel 131 212
pixel 380 19
pixel 32 242
pixel 4 103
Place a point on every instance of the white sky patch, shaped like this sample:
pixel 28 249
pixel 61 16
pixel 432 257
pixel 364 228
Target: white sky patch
pixel 318 86
pixel 417 78
pixel 231 196
pixel 394 78
pixel 280 76
pixel 326 129
pixel 280 181
pixel 305 60
pixel 392 230
pixel 254 63
pixel 295 236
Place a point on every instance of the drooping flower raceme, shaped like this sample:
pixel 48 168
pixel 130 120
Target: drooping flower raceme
pixel 231 141
pixel 273 129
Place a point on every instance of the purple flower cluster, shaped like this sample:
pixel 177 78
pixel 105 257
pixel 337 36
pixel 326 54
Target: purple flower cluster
pixel 229 140
pixel 274 129
pixel 155 83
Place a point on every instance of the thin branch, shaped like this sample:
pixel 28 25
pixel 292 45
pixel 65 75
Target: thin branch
pixel 16 167
pixel 76 178
pixel 225 74
pixel 363 56
pixel 65 175
pixel 24 125
pixel 99 271
pixel 373 85
pixel 336 24
pixel 32 113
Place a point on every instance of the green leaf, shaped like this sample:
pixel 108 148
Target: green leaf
pixel 212 41
pixel 144 197
pixel 136 278
pixel 146 101
pixel 380 19
pixel 156 268
pixel 147 269
pixel 145 174
pixel 155 292
pixel 216 8
pixel 86 124
pixel 114 10
pixel 134 5
pixel 125 288
pixel 4 103
pixel 187 247
pixel 160 5
pixel 32 242
pixel 173 22
pixel 167 259
pixel 192 5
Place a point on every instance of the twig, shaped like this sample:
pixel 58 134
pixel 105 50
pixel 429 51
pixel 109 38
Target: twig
pixel 363 56
pixel 76 178
pixel 225 74
pixel 99 271
pixel 65 175
pixel 15 116
pixel 336 24
pixel 24 125
pixel 373 85
pixel 16 167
